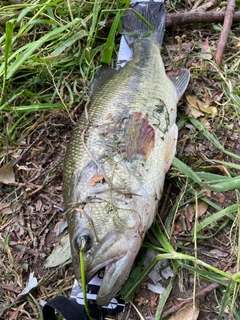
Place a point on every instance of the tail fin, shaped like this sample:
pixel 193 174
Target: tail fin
pixel 154 13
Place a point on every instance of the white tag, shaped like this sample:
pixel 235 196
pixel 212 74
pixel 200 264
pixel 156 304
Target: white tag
pixel 115 306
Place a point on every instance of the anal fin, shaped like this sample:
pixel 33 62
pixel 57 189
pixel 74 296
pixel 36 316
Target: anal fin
pixel 180 79
pixel 171 143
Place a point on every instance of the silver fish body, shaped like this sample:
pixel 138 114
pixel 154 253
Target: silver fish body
pixel 116 163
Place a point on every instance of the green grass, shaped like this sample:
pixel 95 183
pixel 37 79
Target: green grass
pixel 50 51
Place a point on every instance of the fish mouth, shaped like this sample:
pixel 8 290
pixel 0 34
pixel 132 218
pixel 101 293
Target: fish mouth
pixel 116 255
pixel 107 252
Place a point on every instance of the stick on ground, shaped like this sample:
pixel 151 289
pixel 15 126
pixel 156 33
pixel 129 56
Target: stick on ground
pixel 183 18
pixel 228 19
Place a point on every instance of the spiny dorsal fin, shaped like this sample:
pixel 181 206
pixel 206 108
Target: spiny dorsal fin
pixel 180 79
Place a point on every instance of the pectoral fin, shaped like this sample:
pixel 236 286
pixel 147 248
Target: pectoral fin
pixel 171 143
pixel 180 79
pixel 139 137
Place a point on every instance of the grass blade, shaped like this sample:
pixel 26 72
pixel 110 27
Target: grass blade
pixel 186 170
pixel 31 47
pixel 166 293
pixel 214 217
pixel 109 46
pixel 212 139
pixel 8 44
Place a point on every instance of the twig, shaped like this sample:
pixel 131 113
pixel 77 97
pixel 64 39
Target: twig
pixel 202 293
pixel 209 5
pixel 180 19
pixel 29 147
pixel 228 19
pixel 180 305
pixel 47 223
pixel 196 5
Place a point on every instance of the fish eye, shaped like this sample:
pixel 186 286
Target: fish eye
pixel 83 241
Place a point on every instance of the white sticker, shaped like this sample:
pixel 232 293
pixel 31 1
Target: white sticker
pixel 115 306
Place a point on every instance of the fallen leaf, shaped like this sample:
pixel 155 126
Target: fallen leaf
pixel 9 208
pixel 15 314
pixel 221 197
pixel 202 207
pixel 32 283
pixel 187 313
pixel 208 193
pixel 7 175
pixel 218 253
pixel 97 178
pixel 60 254
pixel 178 226
pixel 141 301
pixel 200 106
pixel 206 48
pixel 38 205
pixel 153 301
pixel 8 251
pixel 189 214
pixel 192 112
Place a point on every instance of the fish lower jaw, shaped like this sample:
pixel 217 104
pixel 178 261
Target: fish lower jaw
pixel 106 291
pixel 115 275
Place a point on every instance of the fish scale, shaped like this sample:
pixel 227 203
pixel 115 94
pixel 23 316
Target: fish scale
pixel 127 137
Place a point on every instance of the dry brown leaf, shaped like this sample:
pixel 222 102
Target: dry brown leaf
pixel 200 106
pixel 97 178
pixel 205 49
pixel 153 301
pixel 15 314
pixel 7 175
pixel 202 207
pixel 9 208
pixel 192 112
pixel 208 193
pixel 221 197
pixel 141 301
pixel 178 226
pixel 189 214
pixel 187 313
pixel 8 251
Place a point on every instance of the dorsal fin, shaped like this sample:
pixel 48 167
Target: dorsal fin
pixel 180 79
pixel 101 76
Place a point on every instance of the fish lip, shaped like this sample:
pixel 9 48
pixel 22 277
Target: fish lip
pixel 104 298
pixel 93 272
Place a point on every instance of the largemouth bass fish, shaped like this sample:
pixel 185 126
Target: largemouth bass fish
pixel 119 153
